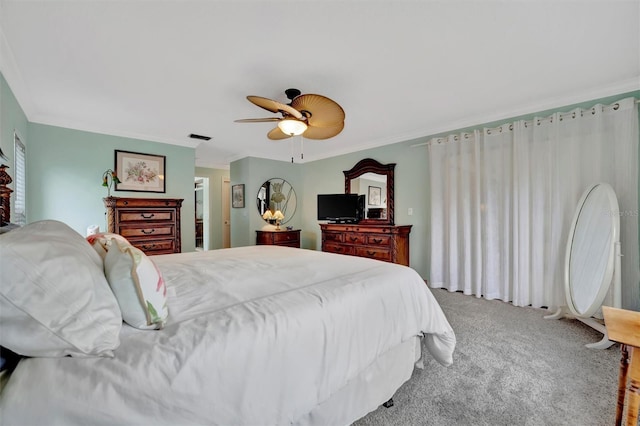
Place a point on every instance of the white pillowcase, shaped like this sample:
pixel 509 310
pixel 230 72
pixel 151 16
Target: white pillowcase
pixel 54 297
pixel 138 286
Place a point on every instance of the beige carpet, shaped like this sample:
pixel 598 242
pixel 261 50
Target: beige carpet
pixel 511 367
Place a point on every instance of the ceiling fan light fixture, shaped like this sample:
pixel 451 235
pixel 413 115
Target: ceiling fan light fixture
pixel 292 127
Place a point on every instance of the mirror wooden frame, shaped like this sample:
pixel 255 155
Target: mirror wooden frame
pixel 369 165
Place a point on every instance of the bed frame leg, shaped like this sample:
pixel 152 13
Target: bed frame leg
pixel 388 404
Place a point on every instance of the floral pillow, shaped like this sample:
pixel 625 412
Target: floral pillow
pixel 137 284
pixel 101 242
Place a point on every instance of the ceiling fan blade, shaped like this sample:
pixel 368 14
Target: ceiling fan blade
pixel 273 106
pixel 276 134
pixel 324 111
pixel 314 132
pixel 257 120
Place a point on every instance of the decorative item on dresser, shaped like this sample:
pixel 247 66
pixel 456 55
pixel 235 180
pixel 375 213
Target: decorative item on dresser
pixel 382 242
pixel 151 224
pixel 289 238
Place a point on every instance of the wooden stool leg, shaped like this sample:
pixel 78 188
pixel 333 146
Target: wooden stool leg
pixel 622 382
pixel 634 387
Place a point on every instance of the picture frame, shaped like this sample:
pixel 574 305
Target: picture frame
pixel 139 172
pixel 374 196
pixel 237 196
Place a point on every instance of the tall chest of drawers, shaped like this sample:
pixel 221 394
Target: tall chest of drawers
pixel 383 242
pixel 151 224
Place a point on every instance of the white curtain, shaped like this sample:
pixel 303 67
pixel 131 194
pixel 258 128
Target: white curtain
pixel 502 202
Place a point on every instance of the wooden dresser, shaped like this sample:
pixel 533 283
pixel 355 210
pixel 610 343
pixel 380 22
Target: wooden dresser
pixel 279 238
pixel 151 224
pixel 383 242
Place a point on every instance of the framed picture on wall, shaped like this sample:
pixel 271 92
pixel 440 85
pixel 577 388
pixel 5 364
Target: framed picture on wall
pixel 237 196
pixel 374 196
pixel 140 172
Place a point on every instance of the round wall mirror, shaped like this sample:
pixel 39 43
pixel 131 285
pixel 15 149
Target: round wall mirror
pixel 276 195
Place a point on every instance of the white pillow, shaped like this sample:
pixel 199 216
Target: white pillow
pixel 138 286
pixel 102 241
pixel 54 297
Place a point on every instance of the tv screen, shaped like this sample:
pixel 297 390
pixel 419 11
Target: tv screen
pixel 339 207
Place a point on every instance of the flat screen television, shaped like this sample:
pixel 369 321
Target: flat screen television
pixel 346 208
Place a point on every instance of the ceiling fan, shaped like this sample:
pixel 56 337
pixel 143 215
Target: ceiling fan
pixel 309 115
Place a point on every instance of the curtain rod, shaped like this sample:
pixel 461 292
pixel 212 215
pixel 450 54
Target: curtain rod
pixel 615 106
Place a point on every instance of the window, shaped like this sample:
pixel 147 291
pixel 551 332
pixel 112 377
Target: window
pixel 19 208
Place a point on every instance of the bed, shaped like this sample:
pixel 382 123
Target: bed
pixel 251 335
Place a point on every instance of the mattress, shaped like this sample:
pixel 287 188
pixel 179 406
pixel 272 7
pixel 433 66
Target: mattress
pixel 255 335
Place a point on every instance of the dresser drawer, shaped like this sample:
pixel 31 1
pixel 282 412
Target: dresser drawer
pixel 284 237
pixel 378 253
pixel 146 230
pixel 333 236
pixel 151 247
pixel 353 238
pixel 338 248
pixel 378 240
pixel 144 216
pixel 294 244
pixel 289 238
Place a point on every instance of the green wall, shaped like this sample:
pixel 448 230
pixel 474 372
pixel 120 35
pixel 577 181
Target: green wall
pixel 64 176
pixel 65 167
pixel 411 191
pixel 253 172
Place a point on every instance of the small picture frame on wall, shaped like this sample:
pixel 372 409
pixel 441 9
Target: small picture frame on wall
pixel 237 196
pixel 374 196
pixel 140 172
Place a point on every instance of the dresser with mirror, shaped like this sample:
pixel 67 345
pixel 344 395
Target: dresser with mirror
pixel 375 235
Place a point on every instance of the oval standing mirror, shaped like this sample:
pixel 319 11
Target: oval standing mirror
pixel 276 195
pixel 375 181
pixel 592 261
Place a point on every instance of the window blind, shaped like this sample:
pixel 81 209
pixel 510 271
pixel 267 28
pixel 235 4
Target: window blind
pixel 19 208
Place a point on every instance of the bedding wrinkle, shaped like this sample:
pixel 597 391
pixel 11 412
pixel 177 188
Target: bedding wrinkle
pixel 255 336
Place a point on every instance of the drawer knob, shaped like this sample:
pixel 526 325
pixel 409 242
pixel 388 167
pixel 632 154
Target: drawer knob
pixel 144 231
pixel 377 241
pixel 354 239
pixel 371 253
pixel 147 217
pixel 148 246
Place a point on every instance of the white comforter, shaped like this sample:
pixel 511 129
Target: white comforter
pixel 256 335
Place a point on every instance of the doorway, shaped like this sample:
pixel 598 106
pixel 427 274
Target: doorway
pixel 226 212
pixel 201 193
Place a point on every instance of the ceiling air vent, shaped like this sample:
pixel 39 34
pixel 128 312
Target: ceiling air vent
pixel 204 138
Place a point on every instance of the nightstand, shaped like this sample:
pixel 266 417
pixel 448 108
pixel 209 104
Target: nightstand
pixel 282 237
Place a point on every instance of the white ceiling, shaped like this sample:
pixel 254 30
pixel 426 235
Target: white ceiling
pixel 160 70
